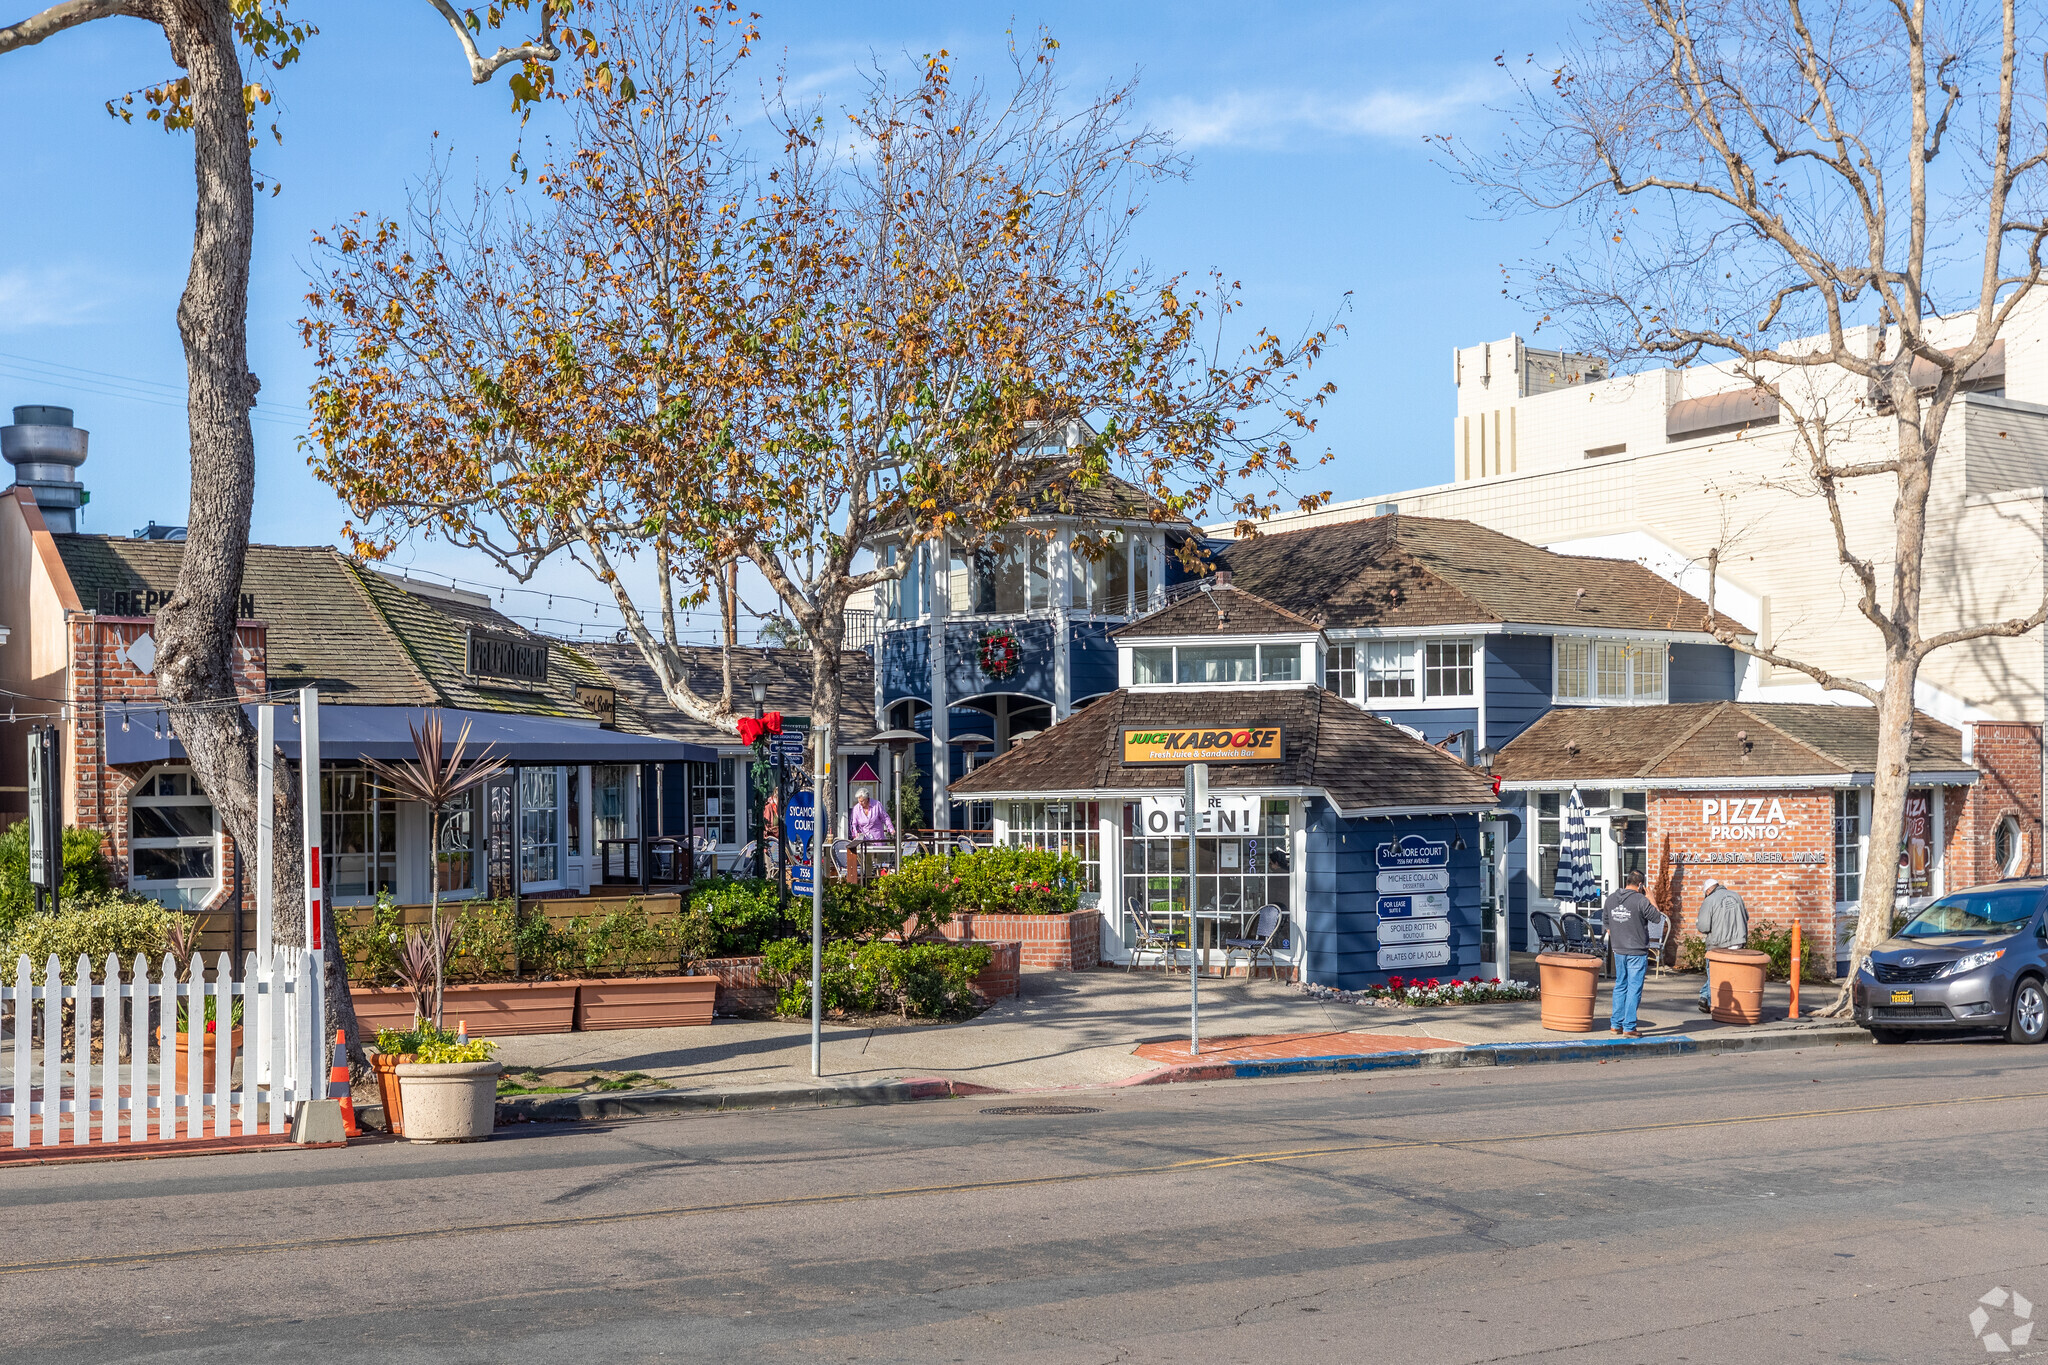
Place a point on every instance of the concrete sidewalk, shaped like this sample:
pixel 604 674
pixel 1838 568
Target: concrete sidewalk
pixel 1065 1030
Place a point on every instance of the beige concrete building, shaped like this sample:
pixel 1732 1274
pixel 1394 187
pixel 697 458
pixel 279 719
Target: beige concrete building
pixel 1666 466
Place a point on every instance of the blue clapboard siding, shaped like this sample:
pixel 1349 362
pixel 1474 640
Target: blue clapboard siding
pixel 1702 673
pixel 964 675
pixel 1341 877
pixel 1517 685
pixel 1092 657
pixel 1521 878
pixel 1435 722
pixel 906 664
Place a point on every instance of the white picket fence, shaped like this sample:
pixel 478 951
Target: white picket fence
pixel 109 1100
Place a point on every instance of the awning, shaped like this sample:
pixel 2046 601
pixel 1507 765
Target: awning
pixel 385 732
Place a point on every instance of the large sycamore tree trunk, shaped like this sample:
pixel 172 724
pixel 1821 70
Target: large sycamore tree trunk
pixel 196 629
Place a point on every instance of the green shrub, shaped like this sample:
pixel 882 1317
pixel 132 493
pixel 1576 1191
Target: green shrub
pixel 734 916
pixel 86 874
pixel 924 889
pixel 1692 953
pixel 1018 881
pixel 105 922
pixel 925 980
pixel 1777 943
pixel 440 1053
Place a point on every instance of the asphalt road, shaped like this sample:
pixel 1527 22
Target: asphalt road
pixel 1837 1204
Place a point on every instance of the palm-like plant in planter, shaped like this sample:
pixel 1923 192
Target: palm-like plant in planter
pixel 435 782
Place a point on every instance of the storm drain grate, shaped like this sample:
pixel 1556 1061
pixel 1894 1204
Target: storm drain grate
pixel 1041 1109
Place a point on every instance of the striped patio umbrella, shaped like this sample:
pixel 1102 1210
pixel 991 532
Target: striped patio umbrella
pixel 1575 879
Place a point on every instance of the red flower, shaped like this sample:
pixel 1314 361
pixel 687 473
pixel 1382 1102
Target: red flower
pixel 209 1026
pixel 1496 981
pixel 1434 983
pixel 1394 983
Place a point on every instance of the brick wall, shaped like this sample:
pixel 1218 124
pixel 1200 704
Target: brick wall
pixel 1777 893
pixel 102 675
pixel 1067 943
pixel 998 980
pixel 2009 756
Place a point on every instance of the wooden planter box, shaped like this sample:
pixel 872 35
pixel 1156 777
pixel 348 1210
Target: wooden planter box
pixel 1067 943
pixel 501 1009
pixel 645 1001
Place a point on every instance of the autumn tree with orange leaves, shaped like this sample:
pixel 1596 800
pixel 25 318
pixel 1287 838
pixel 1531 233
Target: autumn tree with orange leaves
pixel 680 350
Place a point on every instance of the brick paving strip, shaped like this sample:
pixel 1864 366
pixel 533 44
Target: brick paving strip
pixel 1271 1046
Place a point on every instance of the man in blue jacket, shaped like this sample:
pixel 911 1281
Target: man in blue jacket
pixel 1629 916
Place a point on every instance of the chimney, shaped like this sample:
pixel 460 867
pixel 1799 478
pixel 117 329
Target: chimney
pixel 46 450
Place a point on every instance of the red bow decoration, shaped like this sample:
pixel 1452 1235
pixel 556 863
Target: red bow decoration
pixel 753 731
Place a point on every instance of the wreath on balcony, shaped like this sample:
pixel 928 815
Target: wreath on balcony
pixel 1001 654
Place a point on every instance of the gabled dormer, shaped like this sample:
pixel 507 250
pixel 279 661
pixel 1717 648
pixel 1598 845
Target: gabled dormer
pixel 1219 636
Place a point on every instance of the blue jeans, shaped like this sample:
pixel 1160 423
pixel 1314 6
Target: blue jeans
pixel 1628 989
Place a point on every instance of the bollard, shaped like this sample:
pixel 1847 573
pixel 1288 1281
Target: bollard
pixel 1798 962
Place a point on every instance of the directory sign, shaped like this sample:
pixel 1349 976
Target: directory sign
pixel 1414 907
pixel 1414 931
pixel 1409 881
pixel 1400 957
pixel 1412 850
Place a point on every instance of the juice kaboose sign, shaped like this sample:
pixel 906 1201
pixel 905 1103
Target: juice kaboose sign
pixel 1234 744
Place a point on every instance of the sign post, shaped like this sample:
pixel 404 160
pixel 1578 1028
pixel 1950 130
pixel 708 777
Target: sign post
pixel 820 786
pixel 309 803
pixel 1195 792
pixel 45 818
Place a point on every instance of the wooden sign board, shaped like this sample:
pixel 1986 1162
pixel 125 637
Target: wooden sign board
pixel 1223 744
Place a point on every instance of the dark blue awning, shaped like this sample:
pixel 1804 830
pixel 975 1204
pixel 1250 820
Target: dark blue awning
pixel 349 732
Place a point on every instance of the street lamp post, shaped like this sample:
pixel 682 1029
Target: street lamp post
pixel 760 690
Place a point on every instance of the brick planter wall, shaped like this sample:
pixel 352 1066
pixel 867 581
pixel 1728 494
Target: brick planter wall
pixel 740 987
pixel 998 980
pixel 1067 943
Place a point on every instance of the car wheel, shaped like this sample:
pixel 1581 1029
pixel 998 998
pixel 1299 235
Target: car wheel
pixel 1887 1035
pixel 2029 1012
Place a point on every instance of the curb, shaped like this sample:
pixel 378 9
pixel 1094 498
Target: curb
pixel 643 1103
pixel 1503 1054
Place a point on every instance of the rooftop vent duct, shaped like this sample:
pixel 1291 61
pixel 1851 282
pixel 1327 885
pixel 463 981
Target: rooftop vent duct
pixel 46 450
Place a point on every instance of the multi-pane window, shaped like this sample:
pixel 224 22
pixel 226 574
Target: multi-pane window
pixel 1061 827
pixel 455 859
pixel 611 788
pixel 1390 668
pixel 358 834
pixel 1447 668
pixel 1152 664
pixel 1119 580
pixel 1218 663
pixel 540 824
pixel 714 800
pixel 1157 664
pixel 173 840
pixel 1341 672
pixel 1235 876
pixel 1848 846
pixel 1609 670
pixel 904 599
pixel 988 579
pixel 1279 663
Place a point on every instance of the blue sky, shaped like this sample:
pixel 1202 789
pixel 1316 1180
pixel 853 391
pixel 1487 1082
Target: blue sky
pixel 1305 124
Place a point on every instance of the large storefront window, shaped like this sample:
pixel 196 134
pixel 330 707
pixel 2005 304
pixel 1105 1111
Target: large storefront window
pixel 715 800
pixel 1061 827
pixel 540 826
pixel 173 841
pixel 358 835
pixel 611 788
pixel 1234 876
pixel 1848 847
pixel 456 858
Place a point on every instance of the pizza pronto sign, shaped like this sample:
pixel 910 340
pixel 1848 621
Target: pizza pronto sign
pixel 1745 818
pixel 1234 744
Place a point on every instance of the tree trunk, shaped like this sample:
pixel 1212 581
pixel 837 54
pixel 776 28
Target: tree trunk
pixel 1894 776
pixel 825 689
pixel 196 629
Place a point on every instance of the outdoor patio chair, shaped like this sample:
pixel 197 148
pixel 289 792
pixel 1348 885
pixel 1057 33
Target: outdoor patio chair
pixel 1656 966
pixel 1149 938
pixel 743 861
pixel 912 849
pixel 1548 936
pixel 1264 942
pixel 840 849
pixel 704 855
pixel 1577 939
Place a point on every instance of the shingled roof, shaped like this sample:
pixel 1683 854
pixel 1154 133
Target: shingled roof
pixel 786 671
pixel 1225 609
pixel 1400 570
pixel 1707 740
pixel 1362 762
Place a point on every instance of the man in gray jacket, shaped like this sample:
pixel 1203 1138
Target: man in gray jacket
pixel 1723 923
pixel 1629 916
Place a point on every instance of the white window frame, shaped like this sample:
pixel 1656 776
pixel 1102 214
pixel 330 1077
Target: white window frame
pixel 1633 652
pixel 1414 651
pixel 561 843
pixel 180 889
pixel 2013 866
pixel 1340 664
pixel 1861 798
pixel 1292 649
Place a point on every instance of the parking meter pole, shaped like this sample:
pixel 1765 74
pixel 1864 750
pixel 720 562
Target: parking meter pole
pixel 1194 799
pixel 782 836
pixel 1798 959
pixel 820 837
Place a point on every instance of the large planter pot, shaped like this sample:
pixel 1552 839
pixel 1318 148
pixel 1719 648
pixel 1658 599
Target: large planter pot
pixel 645 1001
pixel 1570 982
pixel 499 1009
pixel 389 1091
pixel 449 1101
pixel 209 1051
pixel 1735 984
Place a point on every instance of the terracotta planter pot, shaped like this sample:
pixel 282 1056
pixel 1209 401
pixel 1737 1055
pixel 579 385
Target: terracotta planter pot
pixel 501 1009
pixel 1570 982
pixel 449 1101
pixel 1735 984
pixel 209 1051
pixel 389 1090
pixel 645 1001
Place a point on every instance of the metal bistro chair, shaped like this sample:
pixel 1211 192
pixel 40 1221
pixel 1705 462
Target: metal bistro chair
pixel 912 849
pixel 1548 936
pixel 1264 942
pixel 743 861
pixel 1149 938
pixel 704 855
pixel 1657 967
pixel 1577 938
pixel 841 848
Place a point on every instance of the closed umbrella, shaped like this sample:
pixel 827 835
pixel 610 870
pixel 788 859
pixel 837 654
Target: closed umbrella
pixel 1575 879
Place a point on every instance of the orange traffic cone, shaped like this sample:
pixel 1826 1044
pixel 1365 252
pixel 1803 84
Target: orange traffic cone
pixel 338 1087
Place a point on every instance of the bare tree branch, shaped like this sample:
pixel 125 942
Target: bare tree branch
pixel 482 68
pixel 32 30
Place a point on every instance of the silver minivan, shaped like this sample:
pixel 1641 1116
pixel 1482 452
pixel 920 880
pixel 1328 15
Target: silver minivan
pixel 1972 961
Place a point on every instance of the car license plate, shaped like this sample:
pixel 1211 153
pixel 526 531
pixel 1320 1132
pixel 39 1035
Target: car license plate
pixel 1902 997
